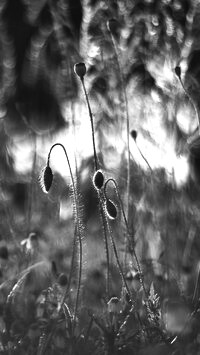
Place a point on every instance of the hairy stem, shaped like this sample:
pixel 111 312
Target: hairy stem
pixel 74 134
pixel 104 223
pixel 92 124
pixel 128 232
pixel 77 229
pixel 127 130
pixel 117 259
pixel 102 212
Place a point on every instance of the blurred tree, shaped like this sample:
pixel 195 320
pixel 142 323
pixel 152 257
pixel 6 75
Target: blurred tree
pixel 39 42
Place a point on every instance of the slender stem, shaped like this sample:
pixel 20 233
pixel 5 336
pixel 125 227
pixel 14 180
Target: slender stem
pixel 31 192
pixel 127 132
pixel 117 259
pixel 128 232
pixel 92 124
pixel 127 121
pixel 193 103
pixel 114 245
pixel 74 134
pixel 102 212
pixel 103 218
pixel 72 264
pixel 143 157
pixel 77 228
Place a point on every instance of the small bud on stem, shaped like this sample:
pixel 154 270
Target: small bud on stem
pixel 98 179
pixel 80 70
pixel 178 71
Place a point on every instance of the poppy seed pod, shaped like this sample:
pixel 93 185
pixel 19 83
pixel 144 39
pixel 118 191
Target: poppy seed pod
pixel 111 209
pixel 80 69
pixel 134 134
pixel 47 178
pixel 98 179
pixel 178 71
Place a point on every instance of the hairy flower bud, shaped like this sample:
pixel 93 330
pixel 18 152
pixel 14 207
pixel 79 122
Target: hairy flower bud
pixel 80 69
pixel 98 179
pixel 46 179
pixel 111 209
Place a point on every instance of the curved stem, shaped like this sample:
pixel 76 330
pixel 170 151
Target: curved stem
pixel 117 259
pixel 127 135
pixel 127 121
pixel 128 232
pixel 192 101
pixel 115 248
pixel 143 157
pixel 92 124
pixel 77 228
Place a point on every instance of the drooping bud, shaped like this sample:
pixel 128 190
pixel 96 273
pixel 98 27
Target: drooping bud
pixel 178 71
pixel 134 134
pixel 80 70
pixel 111 209
pixel 46 179
pixel 98 179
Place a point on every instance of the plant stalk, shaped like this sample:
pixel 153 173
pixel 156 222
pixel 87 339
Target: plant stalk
pixel 92 124
pixel 77 229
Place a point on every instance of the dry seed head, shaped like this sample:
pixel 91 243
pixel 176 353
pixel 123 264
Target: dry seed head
pixel 111 209
pixel 98 179
pixel 80 69
pixel 47 179
pixel 178 71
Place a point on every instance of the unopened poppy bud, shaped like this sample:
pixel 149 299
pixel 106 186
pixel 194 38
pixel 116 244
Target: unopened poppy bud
pixel 111 209
pixel 134 134
pixel 46 179
pixel 178 71
pixel 80 69
pixel 98 179
pixel 114 305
